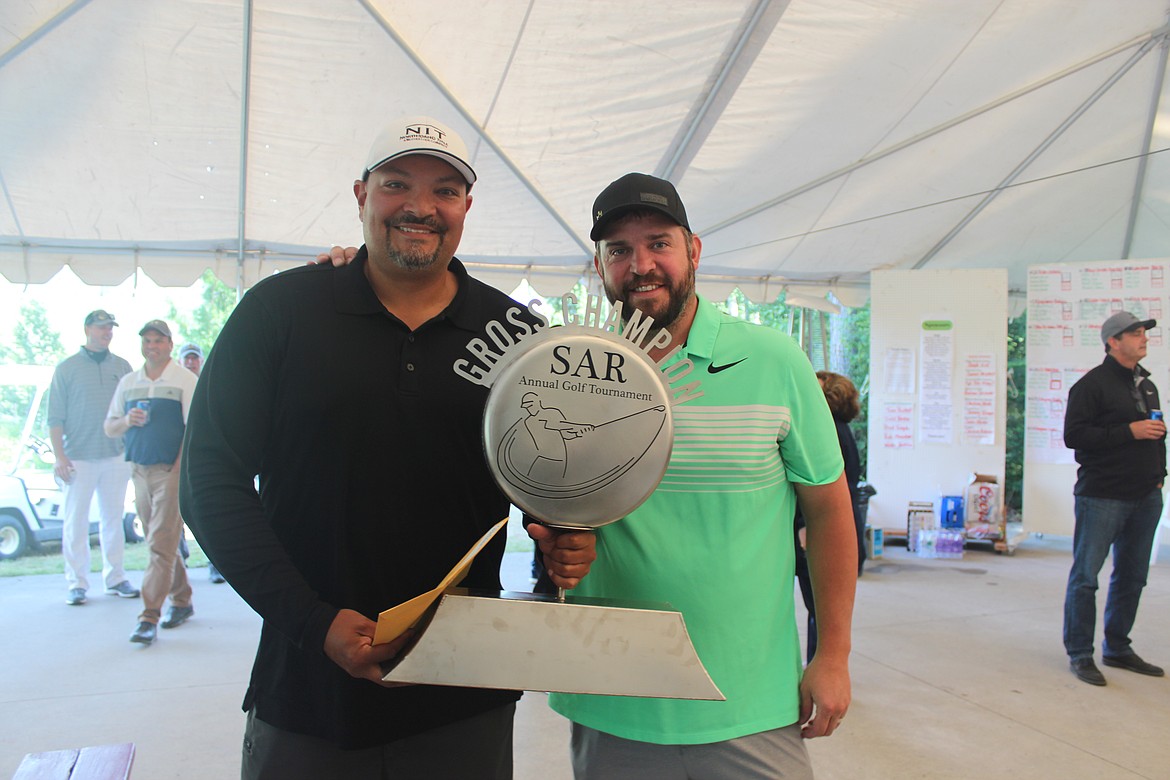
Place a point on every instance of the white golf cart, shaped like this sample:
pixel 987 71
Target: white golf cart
pixel 31 501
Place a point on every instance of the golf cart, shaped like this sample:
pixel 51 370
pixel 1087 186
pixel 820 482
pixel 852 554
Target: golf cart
pixel 32 503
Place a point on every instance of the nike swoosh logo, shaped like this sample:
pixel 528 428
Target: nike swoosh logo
pixel 714 369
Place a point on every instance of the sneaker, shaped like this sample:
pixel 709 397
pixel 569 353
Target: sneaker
pixel 144 634
pixel 1134 663
pixel 76 597
pixel 123 589
pixel 1087 671
pixel 177 616
pixel 213 574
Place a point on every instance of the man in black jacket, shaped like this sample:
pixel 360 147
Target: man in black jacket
pixel 1114 422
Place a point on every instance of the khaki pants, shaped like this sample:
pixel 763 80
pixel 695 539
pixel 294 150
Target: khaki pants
pixel 156 499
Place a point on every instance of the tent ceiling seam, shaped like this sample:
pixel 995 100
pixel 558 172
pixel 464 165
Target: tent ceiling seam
pixel 1141 40
pixel 487 117
pixel 481 131
pixel 815 223
pixel 944 201
pixel 943 72
pixel 1039 150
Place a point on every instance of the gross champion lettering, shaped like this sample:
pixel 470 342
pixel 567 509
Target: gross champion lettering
pixel 484 356
pixel 714 369
pixel 491 355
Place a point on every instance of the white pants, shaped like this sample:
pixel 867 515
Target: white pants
pixel 108 478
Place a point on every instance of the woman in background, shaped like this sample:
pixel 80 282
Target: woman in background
pixel 844 402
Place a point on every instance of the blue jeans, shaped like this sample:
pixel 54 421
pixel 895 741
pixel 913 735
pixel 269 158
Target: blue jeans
pixel 1128 527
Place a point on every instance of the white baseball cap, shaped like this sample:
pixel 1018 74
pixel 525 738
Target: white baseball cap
pixel 420 135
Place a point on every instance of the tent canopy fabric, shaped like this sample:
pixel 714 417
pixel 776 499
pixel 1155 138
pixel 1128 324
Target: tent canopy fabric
pixel 813 141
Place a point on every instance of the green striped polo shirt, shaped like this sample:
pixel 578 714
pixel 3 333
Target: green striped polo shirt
pixel 715 538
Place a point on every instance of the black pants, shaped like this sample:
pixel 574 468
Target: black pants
pixel 476 748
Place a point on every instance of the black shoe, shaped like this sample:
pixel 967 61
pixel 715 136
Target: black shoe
pixel 144 634
pixel 177 616
pixel 1134 663
pixel 1087 671
pixel 214 575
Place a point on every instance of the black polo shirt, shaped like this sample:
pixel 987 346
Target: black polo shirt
pixel 373 484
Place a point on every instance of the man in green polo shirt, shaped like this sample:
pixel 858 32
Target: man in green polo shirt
pixel 715 538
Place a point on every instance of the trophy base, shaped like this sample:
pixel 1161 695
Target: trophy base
pixel 525 641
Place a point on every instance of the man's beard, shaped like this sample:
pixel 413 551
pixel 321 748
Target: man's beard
pixel 681 293
pixel 412 258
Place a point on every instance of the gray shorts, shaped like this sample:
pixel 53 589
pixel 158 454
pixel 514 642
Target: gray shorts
pixel 769 755
pixel 476 747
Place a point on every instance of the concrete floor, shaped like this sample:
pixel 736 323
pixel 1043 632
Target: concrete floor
pixel 957 666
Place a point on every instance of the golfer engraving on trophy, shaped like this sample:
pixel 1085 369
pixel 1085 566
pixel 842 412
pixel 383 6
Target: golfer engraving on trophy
pixel 549 455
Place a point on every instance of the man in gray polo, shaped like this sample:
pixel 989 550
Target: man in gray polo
pixel 89 462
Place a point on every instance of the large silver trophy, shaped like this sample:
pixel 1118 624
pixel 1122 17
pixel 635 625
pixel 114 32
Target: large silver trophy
pixel 578 432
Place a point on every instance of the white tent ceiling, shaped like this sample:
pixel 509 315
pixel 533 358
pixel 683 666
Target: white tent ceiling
pixel 812 140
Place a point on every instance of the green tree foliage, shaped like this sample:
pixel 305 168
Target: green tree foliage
pixel 1016 379
pixel 33 342
pixel 848 336
pixel 202 326
pixel 852 331
pixel 775 314
pixel 556 304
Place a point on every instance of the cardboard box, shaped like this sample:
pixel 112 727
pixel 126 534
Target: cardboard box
pixel 983 507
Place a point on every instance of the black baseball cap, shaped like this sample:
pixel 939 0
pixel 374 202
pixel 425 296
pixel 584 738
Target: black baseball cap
pixel 636 191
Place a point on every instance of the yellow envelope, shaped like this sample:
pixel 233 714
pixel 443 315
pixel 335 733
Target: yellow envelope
pixel 395 620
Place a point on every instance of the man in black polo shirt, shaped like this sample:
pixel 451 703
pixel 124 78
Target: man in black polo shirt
pixel 337 387
pixel 1114 423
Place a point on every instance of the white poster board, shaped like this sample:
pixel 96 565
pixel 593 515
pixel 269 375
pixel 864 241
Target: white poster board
pixel 937 410
pixel 1067 302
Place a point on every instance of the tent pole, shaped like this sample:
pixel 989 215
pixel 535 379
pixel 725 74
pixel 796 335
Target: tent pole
pixel 722 89
pixel 1139 180
pixel 245 106
pixel 46 28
